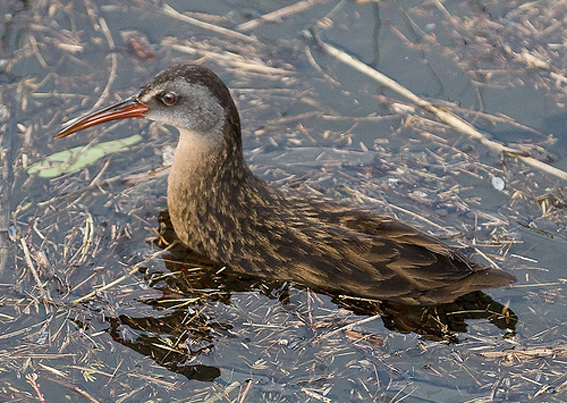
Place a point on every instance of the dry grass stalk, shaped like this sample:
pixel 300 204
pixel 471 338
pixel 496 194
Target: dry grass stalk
pixel 316 395
pixel 244 394
pixel 318 68
pixel 230 59
pixel 530 353
pixel 454 121
pixel 45 297
pixel 171 12
pixel 277 15
pixel 113 65
pixel 346 327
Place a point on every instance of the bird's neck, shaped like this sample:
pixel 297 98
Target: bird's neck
pixel 212 193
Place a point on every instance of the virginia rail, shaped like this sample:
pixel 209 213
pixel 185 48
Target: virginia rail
pixel 220 209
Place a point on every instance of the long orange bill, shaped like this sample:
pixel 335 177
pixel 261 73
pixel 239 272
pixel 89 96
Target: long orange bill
pixel 129 108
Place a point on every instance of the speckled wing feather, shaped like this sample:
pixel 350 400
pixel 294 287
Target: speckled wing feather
pixel 421 268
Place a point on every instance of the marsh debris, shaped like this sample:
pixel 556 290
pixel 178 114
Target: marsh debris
pixel 74 235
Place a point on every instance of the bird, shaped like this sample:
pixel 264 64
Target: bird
pixel 220 209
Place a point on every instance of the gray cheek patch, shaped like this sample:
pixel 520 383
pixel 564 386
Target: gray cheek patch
pixel 197 109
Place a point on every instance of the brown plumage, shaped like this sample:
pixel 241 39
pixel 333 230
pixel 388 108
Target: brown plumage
pixel 220 209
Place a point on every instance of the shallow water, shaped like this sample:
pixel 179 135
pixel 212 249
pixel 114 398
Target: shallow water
pixel 171 332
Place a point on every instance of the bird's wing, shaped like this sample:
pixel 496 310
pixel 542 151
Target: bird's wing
pixel 370 223
pixel 400 261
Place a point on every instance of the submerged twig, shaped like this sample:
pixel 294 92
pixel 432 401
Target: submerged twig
pixel 318 68
pixel 76 389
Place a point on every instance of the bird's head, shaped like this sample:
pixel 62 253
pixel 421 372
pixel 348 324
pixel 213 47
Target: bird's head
pixel 189 97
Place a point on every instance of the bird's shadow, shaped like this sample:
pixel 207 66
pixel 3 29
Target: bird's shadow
pixel 193 281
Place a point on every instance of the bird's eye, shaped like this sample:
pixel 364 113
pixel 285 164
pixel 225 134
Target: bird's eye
pixel 169 98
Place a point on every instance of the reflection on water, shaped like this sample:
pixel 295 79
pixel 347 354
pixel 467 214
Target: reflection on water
pixel 441 322
pixel 175 339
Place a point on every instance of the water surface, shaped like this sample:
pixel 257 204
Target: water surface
pixel 177 331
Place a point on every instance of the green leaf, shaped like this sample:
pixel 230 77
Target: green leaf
pixel 76 158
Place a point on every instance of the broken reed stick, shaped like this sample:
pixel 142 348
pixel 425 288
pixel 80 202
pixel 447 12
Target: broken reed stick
pixel 449 118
